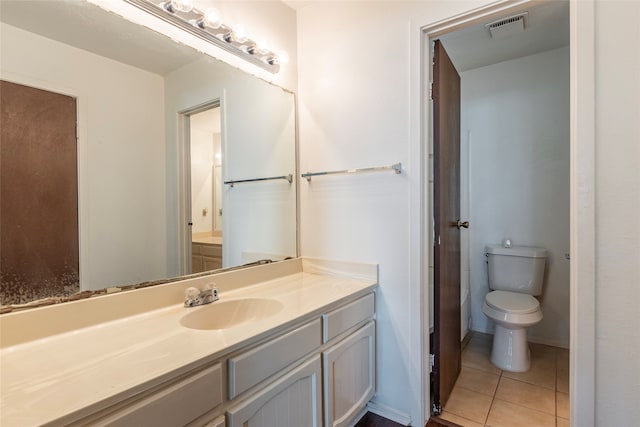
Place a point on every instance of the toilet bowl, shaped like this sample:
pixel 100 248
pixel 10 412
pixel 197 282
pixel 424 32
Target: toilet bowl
pixel 512 313
pixel 516 275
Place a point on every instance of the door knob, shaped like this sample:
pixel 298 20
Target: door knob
pixel 461 224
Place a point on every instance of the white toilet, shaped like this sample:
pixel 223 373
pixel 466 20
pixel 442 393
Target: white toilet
pixel 515 276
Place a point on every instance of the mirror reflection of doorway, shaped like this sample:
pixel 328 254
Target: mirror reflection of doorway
pixel 39 242
pixel 205 136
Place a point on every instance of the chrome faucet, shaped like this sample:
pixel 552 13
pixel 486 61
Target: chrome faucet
pixel 196 297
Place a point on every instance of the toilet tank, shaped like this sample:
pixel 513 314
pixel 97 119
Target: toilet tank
pixel 516 269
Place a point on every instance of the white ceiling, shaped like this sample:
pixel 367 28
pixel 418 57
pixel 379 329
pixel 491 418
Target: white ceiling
pixel 546 28
pixel 88 27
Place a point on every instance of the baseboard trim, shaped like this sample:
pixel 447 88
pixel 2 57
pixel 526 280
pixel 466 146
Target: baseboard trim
pixel 389 413
pixel 552 343
pixel 358 417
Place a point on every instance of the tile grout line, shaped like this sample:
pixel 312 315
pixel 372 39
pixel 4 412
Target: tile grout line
pixel 493 399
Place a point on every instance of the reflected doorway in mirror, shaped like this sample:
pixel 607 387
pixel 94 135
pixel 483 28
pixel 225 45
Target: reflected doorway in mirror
pixel 38 194
pixel 205 205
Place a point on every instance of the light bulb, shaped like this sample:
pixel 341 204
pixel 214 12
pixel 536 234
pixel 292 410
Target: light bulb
pixel 283 57
pixel 240 35
pixel 184 6
pixel 211 19
pixel 262 46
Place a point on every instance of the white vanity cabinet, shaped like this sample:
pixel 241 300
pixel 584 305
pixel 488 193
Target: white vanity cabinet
pixel 318 372
pixel 349 376
pixel 348 365
pixel 249 368
pixel 294 400
pixel 174 404
pixel 308 363
pixel 205 257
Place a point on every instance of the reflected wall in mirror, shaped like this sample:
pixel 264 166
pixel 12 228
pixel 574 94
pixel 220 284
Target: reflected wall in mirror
pixel 136 91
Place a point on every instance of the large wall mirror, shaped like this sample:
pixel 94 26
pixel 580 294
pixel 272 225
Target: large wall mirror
pixel 173 148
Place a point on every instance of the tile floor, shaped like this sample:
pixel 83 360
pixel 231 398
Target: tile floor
pixel 487 396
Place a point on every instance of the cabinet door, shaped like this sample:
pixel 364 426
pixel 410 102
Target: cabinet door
pixel 349 375
pixel 196 264
pixel 211 263
pixel 292 401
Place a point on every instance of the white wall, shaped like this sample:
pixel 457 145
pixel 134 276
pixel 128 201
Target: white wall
pixel 121 154
pixel 617 205
pixel 360 105
pixel 516 114
pixel 258 131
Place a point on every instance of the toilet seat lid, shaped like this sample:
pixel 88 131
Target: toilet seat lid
pixel 512 301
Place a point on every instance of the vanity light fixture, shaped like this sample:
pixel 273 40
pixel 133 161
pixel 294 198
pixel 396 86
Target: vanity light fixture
pixel 208 26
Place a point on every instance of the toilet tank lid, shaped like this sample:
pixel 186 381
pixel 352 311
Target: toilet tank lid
pixel 523 251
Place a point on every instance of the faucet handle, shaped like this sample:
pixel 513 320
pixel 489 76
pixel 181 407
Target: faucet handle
pixel 209 293
pixel 193 297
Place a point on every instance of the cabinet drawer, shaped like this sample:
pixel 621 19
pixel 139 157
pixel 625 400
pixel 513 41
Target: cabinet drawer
pixel 211 250
pixel 177 404
pixel 343 318
pixel 248 369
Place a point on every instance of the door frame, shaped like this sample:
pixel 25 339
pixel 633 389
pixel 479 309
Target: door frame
pixel 184 180
pixel 581 198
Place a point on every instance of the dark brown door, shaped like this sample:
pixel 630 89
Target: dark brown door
pixel 446 181
pixel 38 194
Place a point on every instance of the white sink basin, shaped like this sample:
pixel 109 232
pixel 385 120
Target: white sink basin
pixel 227 314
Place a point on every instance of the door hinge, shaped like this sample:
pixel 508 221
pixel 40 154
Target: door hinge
pixel 436 409
pixel 430 91
pixel 432 362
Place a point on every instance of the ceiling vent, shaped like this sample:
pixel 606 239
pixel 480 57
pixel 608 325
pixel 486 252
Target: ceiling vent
pixel 506 27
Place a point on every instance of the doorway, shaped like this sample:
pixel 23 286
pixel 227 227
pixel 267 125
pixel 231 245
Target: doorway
pixel 203 201
pixel 497 152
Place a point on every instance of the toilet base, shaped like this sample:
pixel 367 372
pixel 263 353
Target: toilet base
pixel 510 350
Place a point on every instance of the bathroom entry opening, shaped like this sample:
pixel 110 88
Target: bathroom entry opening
pixel 201 189
pixel 472 162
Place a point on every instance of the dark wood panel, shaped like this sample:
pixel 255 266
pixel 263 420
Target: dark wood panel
pixel 438 422
pixel 38 194
pixel 446 159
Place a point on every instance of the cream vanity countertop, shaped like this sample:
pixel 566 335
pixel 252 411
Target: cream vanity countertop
pixel 84 370
pixel 208 240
